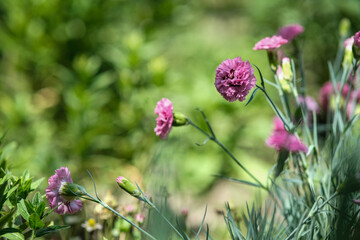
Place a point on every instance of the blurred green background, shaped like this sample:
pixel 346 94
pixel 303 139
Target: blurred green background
pixel 80 81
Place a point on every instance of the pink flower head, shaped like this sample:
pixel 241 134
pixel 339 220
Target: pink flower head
pixel 289 32
pixel 164 110
pixel 53 193
pixel 311 104
pixel 349 42
pixel 357 39
pixel 327 91
pixel 281 139
pixel 234 79
pixel 139 217
pixel 270 43
pixel 129 208
pixel 120 179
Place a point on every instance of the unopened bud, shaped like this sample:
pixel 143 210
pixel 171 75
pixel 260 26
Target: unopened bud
pixel 179 119
pixel 344 27
pixel 128 186
pixel 348 53
pixel 286 68
pixel 285 85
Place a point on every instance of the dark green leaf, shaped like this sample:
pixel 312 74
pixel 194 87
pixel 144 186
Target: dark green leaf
pixel 35 221
pixel 40 209
pixel 50 229
pixel 4 219
pixel 252 96
pixel 283 155
pixel 8 230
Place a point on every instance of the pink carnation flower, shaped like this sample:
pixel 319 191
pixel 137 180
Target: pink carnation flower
pixel 349 42
pixel 234 79
pixel 311 104
pixel 357 39
pixel 327 91
pixel 289 32
pixel 270 43
pixel 61 177
pixel 164 110
pixel 281 139
pixel 139 217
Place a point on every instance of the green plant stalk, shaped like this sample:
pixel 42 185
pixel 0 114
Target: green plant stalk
pixel 91 198
pixel 214 139
pixel 274 107
pixel 166 220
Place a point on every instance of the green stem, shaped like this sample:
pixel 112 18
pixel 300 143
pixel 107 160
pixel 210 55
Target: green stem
pixel 166 220
pixel 214 139
pixel 274 107
pixel 121 216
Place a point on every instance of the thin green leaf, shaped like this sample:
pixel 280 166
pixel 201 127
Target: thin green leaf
pixel 50 229
pixel 202 223
pixel 239 181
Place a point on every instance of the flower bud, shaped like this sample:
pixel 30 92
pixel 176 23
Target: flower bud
pixel 128 186
pixel 179 119
pixel 283 83
pixel 344 27
pixel 69 191
pixel 356 46
pixel 286 68
pixel 348 53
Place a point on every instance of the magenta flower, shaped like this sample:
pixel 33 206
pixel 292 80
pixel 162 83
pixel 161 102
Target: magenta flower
pixel 327 91
pixel 281 139
pixel 56 194
pixel 139 217
pixel 289 32
pixel 234 79
pixel 164 110
pixel 270 43
pixel 357 39
pixel 349 42
pixel 311 104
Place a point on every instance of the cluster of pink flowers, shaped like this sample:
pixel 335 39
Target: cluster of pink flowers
pixel 282 139
pixel 57 200
pixel 164 110
pixel 234 79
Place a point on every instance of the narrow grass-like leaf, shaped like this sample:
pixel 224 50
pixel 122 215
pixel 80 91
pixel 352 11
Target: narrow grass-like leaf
pixel 202 223
pixel 239 181
pixel 252 96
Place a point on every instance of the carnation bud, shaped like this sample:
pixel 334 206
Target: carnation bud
pixel 69 191
pixel 283 82
pixel 179 119
pixel 286 68
pixel 344 27
pixel 348 53
pixel 356 46
pixel 128 186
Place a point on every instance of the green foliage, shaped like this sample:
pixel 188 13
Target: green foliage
pixel 22 215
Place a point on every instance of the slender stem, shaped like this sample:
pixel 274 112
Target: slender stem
pixel 32 235
pixel 168 222
pixel 121 216
pixel 214 139
pixel 275 108
pixel 312 213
